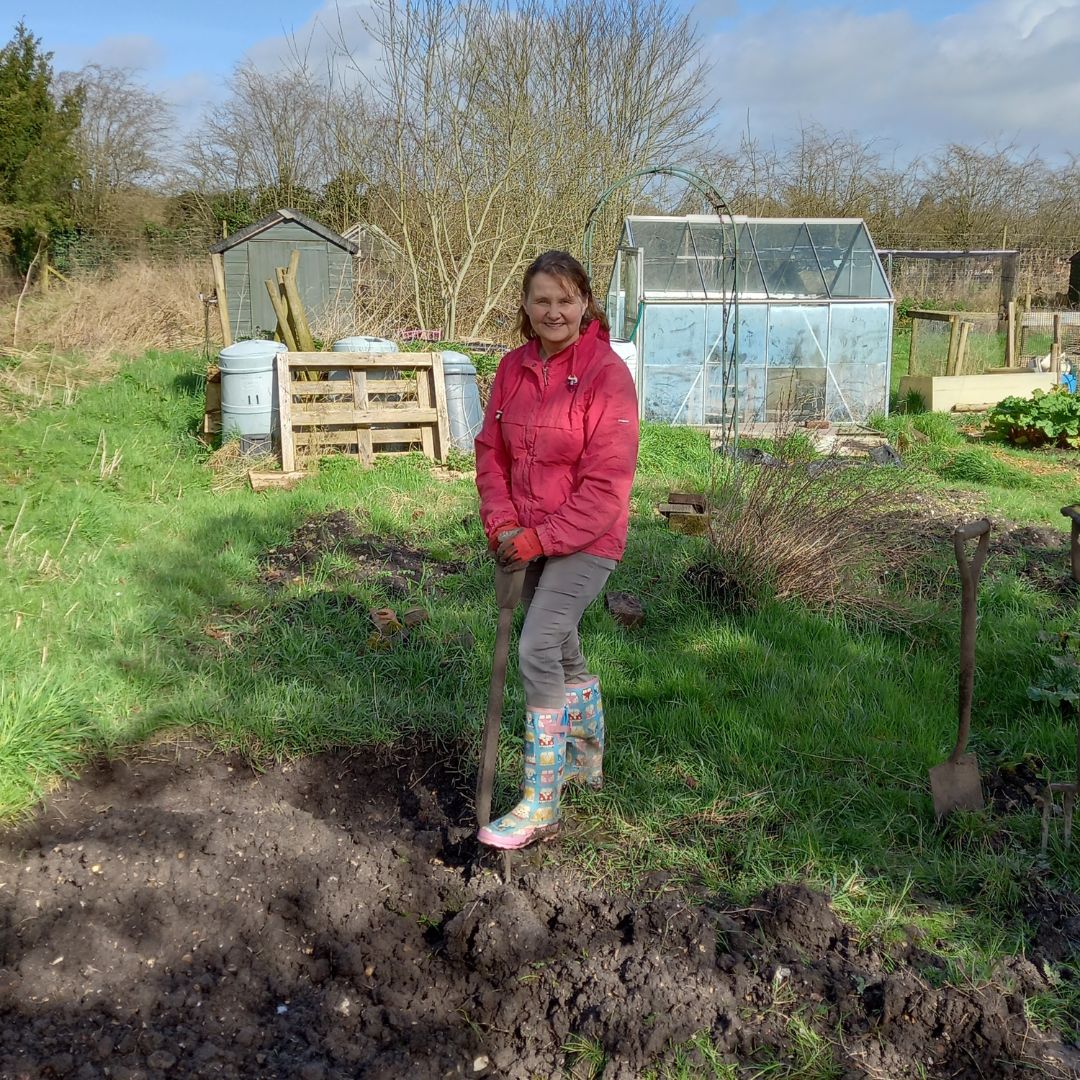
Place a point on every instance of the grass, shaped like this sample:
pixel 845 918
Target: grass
pixel 774 744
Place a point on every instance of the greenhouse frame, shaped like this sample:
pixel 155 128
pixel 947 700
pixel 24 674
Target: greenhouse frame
pixel 742 321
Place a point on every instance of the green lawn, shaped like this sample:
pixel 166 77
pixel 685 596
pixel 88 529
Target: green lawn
pixel 769 745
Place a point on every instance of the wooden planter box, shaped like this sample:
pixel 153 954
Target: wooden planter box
pixel 948 393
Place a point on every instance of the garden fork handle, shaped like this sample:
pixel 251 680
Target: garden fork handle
pixel 969 594
pixel 508 586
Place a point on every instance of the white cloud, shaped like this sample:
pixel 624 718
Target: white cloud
pixel 138 51
pixel 325 38
pixel 1000 70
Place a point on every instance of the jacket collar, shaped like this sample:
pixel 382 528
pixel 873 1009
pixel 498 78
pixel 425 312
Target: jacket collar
pixel 579 354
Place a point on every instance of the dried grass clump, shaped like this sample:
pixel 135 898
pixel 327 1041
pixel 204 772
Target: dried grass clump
pixel 822 531
pixel 230 466
pixel 139 306
pixel 97 321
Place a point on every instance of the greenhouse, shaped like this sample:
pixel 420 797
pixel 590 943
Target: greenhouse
pixel 796 326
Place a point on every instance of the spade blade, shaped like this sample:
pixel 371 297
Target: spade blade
pixel 956 786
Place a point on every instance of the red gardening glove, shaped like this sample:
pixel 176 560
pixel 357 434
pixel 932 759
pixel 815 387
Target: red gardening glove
pixel 519 549
pixel 501 532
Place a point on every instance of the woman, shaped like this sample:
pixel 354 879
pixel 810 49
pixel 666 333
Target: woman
pixel 554 466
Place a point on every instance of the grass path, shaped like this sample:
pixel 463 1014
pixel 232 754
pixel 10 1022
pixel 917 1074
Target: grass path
pixel 775 745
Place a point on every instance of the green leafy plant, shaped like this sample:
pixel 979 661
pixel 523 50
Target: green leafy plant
pixel 1046 417
pixel 1061 683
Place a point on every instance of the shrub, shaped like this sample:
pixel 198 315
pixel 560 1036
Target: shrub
pixel 823 532
pixel 1046 417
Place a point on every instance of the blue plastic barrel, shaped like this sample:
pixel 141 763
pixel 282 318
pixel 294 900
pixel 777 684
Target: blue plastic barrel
pixel 248 393
pixel 365 344
pixel 462 400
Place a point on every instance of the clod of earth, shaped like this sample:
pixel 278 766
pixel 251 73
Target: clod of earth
pixel 334 918
pixel 625 609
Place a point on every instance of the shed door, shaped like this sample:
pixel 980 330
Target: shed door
pixel 312 278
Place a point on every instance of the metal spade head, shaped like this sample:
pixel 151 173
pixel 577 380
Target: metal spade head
pixel 956 786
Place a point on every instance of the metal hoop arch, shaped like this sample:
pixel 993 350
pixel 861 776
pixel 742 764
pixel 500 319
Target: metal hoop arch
pixel 729 425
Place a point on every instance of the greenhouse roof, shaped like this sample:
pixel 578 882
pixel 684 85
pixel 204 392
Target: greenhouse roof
pixel 779 258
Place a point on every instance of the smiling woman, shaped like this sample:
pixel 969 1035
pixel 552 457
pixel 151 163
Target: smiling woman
pixel 554 466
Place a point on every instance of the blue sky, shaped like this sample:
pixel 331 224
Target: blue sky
pixel 912 75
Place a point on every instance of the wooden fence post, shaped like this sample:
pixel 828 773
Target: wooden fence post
pixel 954 344
pixel 1010 336
pixel 961 348
pixel 218 263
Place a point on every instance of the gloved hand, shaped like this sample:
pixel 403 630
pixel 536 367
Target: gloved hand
pixel 507 528
pixel 519 549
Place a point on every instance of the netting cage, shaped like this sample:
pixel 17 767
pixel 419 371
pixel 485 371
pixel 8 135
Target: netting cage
pixel 741 321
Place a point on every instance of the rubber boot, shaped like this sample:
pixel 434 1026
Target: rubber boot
pixel 585 742
pixel 536 816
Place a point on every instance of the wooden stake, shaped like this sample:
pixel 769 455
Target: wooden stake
pixel 284 329
pixel 961 348
pixel 954 344
pixel 1010 336
pixel 301 330
pixel 218 263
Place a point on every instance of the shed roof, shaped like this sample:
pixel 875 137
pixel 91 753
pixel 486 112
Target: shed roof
pixel 276 218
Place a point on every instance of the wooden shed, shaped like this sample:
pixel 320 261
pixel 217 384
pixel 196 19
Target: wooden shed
pixel 244 261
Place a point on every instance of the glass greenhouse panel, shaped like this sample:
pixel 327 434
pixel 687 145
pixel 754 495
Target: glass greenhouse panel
pixel 788 262
pixel 858 361
pixel 796 393
pixel 798 335
pixel 629 270
pixel 855 391
pixel 673 371
pixel 669 267
pixel 850 262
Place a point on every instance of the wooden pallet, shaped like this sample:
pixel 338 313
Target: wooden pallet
pixel 211 425
pixel 361 404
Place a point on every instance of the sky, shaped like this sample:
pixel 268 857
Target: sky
pixel 909 76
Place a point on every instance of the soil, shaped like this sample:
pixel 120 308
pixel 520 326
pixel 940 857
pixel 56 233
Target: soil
pixel 182 914
pixel 399 568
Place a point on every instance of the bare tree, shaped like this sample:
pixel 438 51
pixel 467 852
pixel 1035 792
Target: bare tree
pixel 501 123
pixel 974 196
pixel 267 136
pixel 124 132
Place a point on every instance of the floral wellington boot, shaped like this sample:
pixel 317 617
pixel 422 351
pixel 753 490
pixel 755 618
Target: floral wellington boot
pixel 585 742
pixel 536 816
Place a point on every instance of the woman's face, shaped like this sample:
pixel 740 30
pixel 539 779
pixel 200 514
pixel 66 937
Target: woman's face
pixel 554 309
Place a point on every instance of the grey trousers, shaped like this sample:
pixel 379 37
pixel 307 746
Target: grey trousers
pixel 556 593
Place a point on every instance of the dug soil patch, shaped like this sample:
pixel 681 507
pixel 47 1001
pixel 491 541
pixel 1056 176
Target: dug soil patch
pixel 398 569
pixel 183 915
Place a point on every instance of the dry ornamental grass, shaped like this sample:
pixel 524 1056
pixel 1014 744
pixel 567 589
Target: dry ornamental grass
pixel 96 322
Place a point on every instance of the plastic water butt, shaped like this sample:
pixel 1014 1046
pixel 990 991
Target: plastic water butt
pixel 364 344
pixel 627 350
pixel 248 394
pixel 462 400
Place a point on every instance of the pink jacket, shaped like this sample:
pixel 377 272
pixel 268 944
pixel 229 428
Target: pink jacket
pixel 559 445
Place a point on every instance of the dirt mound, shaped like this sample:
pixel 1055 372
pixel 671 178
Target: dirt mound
pixel 399 569
pixel 187 916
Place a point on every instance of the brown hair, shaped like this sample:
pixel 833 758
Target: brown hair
pixel 561 265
